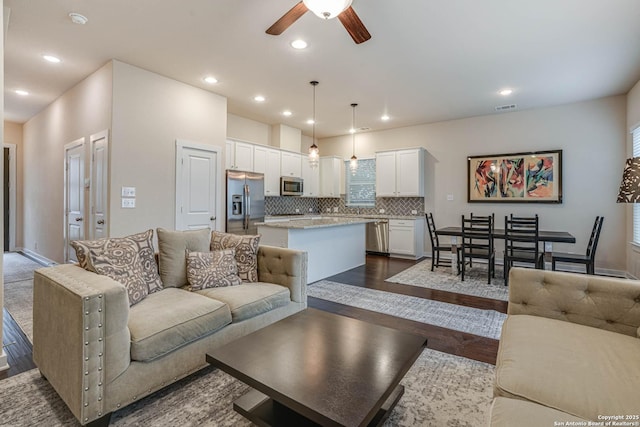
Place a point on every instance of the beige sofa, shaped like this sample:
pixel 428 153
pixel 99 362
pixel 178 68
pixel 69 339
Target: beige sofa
pixel 101 355
pixel 569 351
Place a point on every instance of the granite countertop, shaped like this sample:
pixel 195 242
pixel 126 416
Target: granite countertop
pixel 338 215
pixel 315 223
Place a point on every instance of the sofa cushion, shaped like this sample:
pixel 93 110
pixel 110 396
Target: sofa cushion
pixel 124 268
pixel 172 247
pixel 577 369
pixel 509 412
pixel 170 319
pixel 250 299
pixel 246 252
pixel 138 245
pixel 212 269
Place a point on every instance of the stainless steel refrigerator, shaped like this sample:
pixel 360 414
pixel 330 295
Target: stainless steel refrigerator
pixel 245 201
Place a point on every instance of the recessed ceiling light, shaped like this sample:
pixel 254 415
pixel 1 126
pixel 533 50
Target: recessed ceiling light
pixel 352 130
pixel 286 113
pixel 506 92
pixel 310 122
pixel 76 18
pixel 259 98
pixel 22 92
pixel 51 58
pixel 210 79
pixel 384 118
pixel 299 44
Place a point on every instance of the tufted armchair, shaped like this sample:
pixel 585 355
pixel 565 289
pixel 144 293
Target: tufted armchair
pixel 569 349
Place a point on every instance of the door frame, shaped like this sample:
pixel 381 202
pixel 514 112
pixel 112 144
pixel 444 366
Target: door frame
pixel 13 185
pixel 181 144
pixel 92 194
pixel 69 146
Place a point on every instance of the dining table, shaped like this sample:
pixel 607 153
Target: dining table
pixel 498 233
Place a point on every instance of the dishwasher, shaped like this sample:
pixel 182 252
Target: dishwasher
pixel 378 237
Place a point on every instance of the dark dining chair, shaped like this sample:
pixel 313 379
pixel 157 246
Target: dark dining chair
pixel 589 258
pixel 477 243
pixel 521 243
pixel 436 259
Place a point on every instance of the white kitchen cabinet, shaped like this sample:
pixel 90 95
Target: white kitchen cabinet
pixel 291 164
pixel 406 238
pixel 400 173
pixel 267 161
pixel 239 155
pixel 311 180
pixel 330 168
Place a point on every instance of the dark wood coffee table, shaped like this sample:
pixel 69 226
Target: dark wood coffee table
pixel 319 368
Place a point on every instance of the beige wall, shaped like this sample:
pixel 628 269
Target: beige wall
pixel 248 130
pixel 149 113
pixel 3 356
pixel 82 111
pixel 13 135
pixel 633 120
pixel 591 134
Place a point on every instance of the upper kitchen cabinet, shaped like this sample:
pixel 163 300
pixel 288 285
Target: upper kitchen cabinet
pixel 311 180
pixel 330 176
pixel 267 161
pixel 400 173
pixel 239 155
pixel 291 164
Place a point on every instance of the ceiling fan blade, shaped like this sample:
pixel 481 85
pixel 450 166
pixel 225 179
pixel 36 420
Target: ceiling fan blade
pixel 287 19
pixel 354 25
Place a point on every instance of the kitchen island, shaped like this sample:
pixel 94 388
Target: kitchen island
pixel 333 244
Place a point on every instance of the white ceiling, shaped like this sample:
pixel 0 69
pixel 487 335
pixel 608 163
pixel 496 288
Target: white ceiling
pixel 427 60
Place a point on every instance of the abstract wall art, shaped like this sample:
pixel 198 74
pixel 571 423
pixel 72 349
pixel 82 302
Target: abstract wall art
pixel 515 178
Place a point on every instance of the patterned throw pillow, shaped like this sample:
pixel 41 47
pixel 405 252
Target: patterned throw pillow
pixel 140 244
pixel 246 252
pixel 212 269
pixel 122 265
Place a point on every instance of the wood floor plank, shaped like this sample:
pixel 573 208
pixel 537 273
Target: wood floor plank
pixel 17 347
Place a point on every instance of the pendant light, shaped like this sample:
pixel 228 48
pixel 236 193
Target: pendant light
pixel 353 163
pixel 314 152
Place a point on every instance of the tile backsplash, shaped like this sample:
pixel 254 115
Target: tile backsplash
pixel 391 205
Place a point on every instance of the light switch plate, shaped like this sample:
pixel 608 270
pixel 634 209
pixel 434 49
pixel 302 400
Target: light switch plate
pixel 128 191
pixel 449 197
pixel 128 203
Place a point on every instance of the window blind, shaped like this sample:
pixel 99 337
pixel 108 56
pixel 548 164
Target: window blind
pixel 636 206
pixel 361 187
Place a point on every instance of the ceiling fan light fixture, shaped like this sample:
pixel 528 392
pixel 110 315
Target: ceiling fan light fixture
pixel 327 9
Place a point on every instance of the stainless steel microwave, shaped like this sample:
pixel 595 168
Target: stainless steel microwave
pixel 290 186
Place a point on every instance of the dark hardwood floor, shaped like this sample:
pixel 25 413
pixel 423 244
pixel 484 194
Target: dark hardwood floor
pixel 371 275
pixel 379 268
pixel 17 347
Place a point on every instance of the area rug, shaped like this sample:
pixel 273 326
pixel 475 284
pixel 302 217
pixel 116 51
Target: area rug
pixel 440 390
pixel 486 323
pixel 18 300
pixel 17 267
pixel 442 279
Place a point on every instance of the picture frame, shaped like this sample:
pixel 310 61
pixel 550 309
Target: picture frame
pixel 529 177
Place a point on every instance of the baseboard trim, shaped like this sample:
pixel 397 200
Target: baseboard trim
pixel 4 365
pixel 40 259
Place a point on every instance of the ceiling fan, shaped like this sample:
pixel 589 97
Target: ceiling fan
pixel 325 9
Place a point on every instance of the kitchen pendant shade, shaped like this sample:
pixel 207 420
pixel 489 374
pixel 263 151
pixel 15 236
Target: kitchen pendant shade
pixel 630 187
pixel 353 162
pixel 314 152
pixel 327 9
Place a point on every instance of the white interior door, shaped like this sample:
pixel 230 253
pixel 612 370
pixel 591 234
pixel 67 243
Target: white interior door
pixel 74 196
pixel 99 224
pixel 197 186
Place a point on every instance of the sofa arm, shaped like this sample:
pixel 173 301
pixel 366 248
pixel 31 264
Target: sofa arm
pixel 601 302
pixel 80 336
pixel 286 267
